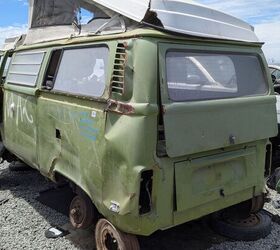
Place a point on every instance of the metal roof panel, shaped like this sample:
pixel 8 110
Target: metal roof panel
pixel 186 17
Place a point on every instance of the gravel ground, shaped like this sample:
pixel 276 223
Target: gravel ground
pixel 23 221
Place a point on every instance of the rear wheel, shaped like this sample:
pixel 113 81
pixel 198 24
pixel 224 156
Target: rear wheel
pixel 107 237
pixel 81 212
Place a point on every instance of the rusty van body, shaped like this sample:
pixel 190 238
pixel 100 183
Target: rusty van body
pixel 156 128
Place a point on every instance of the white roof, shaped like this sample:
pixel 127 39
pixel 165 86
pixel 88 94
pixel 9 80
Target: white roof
pixel 274 66
pixel 185 17
pixel 134 9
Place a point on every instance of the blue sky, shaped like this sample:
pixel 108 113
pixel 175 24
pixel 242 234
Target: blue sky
pixel 264 15
pixel 13 12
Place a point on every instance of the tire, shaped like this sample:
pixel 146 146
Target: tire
pixel 242 231
pixel 106 234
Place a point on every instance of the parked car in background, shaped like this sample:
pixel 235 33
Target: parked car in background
pixel 273 181
pixel 275 70
pixel 275 74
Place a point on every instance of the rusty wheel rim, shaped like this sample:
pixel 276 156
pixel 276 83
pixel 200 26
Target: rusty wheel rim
pixel 108 239
pixel 78 212
pixel 251 221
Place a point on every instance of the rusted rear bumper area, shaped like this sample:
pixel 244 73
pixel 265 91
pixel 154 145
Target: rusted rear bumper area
pixel 188 188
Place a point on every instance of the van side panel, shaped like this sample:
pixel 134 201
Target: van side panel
pixel 131 138
pixel 20 124
pixel 71 140
pixel 102 151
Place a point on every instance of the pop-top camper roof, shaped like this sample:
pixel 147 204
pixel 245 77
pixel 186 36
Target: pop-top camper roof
pixel 186 17
pixel 12 42
pixel 54 19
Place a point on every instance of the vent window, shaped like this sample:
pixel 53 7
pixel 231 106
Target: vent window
pixel 25 68
pixel 119 69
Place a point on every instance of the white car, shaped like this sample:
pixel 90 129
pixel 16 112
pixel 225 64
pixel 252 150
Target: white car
pixel 275 71
pixel 278 108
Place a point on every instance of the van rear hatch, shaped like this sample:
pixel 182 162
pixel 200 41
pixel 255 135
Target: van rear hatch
pixel 214 97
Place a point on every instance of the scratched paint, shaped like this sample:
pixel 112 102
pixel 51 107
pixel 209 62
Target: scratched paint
pixel 85 121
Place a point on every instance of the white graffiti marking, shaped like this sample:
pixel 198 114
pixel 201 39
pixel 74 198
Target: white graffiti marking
pixel 18 109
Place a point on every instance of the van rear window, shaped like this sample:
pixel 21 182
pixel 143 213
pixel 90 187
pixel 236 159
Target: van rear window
pixel 83 71
pixel 204 76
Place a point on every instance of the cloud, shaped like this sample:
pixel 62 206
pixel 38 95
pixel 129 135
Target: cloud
pixel 268 32
pixel 253 11
pixel 11 31
pixel 264 15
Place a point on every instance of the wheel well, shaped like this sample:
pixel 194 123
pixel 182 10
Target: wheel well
pixel 61 180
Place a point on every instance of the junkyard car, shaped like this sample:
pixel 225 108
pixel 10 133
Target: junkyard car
pixel 156 113
pixel 273 180
pixel 275 73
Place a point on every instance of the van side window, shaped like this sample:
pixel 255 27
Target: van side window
pixel 83 71
pixel 24 68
